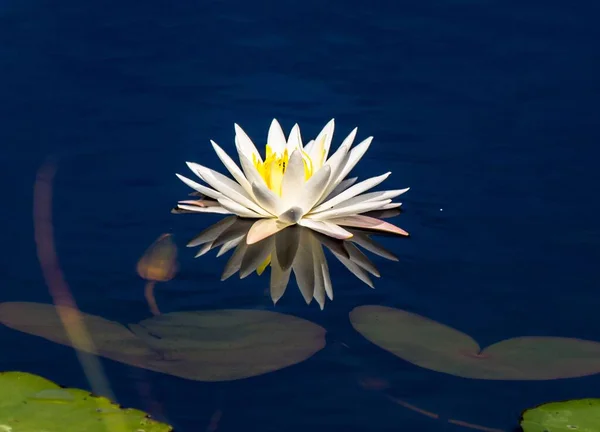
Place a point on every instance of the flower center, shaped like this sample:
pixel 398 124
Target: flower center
pixel 273 168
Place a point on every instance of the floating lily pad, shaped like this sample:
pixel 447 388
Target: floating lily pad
pixel 434 346
pixel 29 403
pixel 581 415
pixel 220 345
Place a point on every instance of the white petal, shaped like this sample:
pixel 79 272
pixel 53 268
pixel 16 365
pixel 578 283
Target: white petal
pixel 342 186
pixel 196 209
pixel 369 223
pixel 372 196
pixel 227 187
pixel 351 192
pixel 267 199
pixel 320 149
pixel 212 232
pixel 250 170
pixel 292 215
pixel 325 227
pixel 293 180
pixel 349 210
pixel 245 143
pixel 238 209
pixel 276 138
pixel 231 166
pixel 279 279
pixel 263 228
pixel 255 255
pixel 355 156
pixel 390 206
pixel 314 188
pixel 308 147
pixel 337 162
pixel 200 203
pixel 200 188
pixel 294 140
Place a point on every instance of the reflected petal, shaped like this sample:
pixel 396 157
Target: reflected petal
pixel 363 240
pixel 286 246
pixel 212 232
pixel 355 269
pixel 230 245
pixel 356 256
pixel 303 268
pixel 233 232
pixel 235 261
pixel 255 254
pixel 296 247
pixel 279 279
pixel 319 293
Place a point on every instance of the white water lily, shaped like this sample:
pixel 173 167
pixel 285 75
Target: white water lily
pixel 293 184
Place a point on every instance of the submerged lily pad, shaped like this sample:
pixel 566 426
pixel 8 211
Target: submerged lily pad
pixel 29 403
pixel 434 346
pixel 220 345
pixel 581 415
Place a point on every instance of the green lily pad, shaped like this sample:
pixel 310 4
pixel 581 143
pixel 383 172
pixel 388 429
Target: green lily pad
pixel 217 345
pixel 431 345
pixel 29 403
pixel 581 415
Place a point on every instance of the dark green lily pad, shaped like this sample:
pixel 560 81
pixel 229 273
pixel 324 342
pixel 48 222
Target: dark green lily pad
pixel 581 415
pixel 218 345
pixel 29 403
pixel 441 348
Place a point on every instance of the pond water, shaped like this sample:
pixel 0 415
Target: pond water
pixel 487 110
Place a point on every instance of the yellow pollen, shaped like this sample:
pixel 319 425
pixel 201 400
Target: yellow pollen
pixel 273 168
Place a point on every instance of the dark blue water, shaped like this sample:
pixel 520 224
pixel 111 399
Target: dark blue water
pixel 486 109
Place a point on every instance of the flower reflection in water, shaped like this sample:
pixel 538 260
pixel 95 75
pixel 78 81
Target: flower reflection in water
pixel 296 250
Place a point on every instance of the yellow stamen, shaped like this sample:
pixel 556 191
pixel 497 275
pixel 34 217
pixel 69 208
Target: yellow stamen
pixel 274 165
